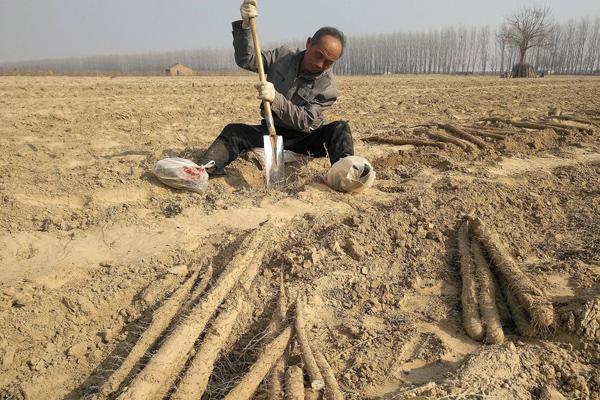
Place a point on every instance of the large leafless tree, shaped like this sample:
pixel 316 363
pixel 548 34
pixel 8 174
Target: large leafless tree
pixel 526 28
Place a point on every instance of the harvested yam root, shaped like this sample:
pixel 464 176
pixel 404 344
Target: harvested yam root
pixel 565 126
pixel 499 131
pixel 577 119
pixel 519 317
pixel 531 299
pixel 463 135
pixel 467 146
pixel 312 394
pixel 200 288
pixel 405 141
pixel 487 296
pixel 162 369
pixel 501 304
pixel 522 298
pixel 332 388
pixel 161 319
pixel 316 379
pixel 280 311
pixel 275 379
pixel 483 133
pixel 196 378
pixel 294 383
pixel 245 389
pixel 276 376
pixel 470 305
pixel 528 125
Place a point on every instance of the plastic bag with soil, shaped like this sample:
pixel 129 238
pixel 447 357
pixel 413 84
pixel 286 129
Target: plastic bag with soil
pixel 180 173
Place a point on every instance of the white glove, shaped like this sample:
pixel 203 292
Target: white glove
pixel 266 91
pixel 247 11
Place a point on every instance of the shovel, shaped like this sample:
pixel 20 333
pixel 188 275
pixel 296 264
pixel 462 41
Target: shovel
pixel 273 144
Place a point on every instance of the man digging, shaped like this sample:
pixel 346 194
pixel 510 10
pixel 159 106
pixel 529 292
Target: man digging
pixel 300 86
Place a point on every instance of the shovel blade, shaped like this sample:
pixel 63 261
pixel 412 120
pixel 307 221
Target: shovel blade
pixel 274 164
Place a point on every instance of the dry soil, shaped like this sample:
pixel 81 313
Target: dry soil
pixel 91 242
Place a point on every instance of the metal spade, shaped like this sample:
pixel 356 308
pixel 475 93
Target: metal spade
pixel 273 144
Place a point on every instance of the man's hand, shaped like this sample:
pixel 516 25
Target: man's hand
pixel 247 11
pixel 266 91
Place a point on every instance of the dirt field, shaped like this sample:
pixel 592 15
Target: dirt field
pixel 92 243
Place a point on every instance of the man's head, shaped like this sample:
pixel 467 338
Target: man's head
pixel 324 48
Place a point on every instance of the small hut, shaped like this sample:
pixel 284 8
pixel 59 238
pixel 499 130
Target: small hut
pixel 179 70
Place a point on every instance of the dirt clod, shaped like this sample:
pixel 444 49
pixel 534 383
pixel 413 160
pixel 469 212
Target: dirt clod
pixel 78 350
pixel 549 393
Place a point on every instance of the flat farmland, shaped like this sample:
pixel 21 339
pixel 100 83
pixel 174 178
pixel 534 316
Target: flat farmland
pixel 92 244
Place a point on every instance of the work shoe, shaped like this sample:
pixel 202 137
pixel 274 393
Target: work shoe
pixel 216 171
pixel 218 153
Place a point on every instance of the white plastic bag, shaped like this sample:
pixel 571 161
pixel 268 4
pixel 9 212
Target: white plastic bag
pixel 350 174
pixel 180 173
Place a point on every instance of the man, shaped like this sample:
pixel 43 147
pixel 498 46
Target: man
pixel 300 86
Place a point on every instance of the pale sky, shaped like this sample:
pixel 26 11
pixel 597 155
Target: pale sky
pixel 37 29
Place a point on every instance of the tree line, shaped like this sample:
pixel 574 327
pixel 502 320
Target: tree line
pixel 205 61
pixel 571 47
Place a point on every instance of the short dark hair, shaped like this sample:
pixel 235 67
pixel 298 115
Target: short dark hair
pixel 331 31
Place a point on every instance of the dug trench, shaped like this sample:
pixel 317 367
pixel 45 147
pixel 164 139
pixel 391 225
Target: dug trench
pixel 380 270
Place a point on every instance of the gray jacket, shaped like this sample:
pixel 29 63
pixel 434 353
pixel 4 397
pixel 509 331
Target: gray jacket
pixel 301 98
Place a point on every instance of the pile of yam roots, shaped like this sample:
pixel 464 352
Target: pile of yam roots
pixel 198 323
pixel 483 257
pixel 183 364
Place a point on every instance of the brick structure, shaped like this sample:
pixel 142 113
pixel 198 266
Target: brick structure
pixel 179 70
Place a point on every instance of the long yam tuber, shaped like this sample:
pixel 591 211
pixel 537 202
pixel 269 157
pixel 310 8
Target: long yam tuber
pixel 470 304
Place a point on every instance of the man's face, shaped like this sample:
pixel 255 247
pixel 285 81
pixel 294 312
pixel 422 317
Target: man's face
pixel 321 55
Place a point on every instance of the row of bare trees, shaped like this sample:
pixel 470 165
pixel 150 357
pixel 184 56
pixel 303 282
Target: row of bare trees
pixel 569 48
pixel 566 48
pixel 202 60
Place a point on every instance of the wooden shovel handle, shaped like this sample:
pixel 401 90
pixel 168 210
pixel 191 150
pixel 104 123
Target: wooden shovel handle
pixel 262 77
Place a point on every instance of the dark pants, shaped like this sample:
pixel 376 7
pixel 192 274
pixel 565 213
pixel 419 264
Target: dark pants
pixel 333 140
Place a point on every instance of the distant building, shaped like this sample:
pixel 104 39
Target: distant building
pixel 179 70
